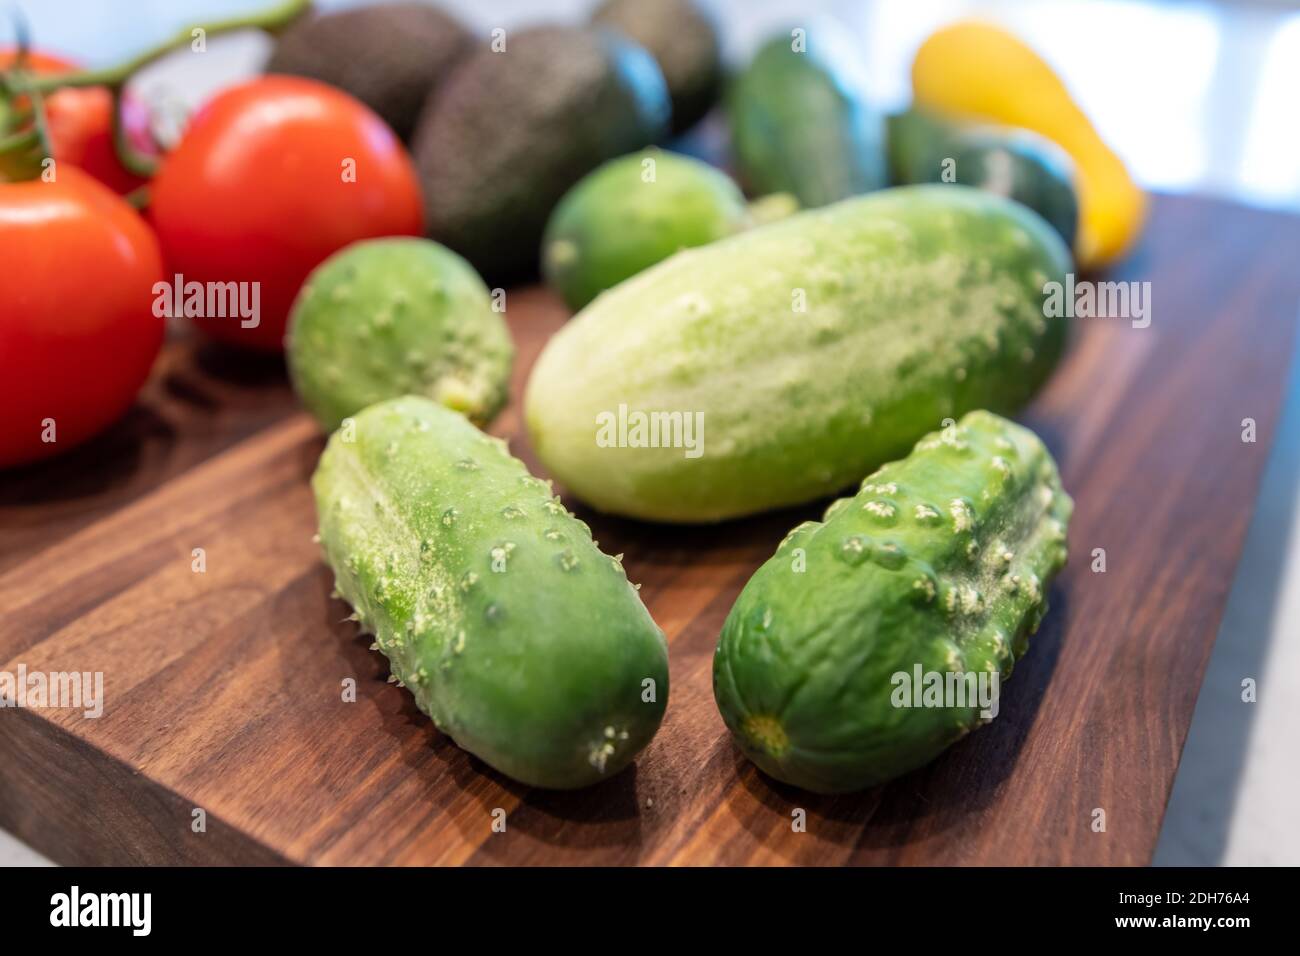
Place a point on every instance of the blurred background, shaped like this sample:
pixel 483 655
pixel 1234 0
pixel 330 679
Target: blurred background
pixel 1195 96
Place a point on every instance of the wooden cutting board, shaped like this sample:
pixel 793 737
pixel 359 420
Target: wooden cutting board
pixel 223 688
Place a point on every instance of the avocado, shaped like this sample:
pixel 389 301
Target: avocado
pixel 509 132
pixel 389 56
pixel 682 37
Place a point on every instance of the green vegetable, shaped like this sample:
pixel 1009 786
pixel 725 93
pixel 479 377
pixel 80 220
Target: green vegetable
pixel 514 633
pixel 631 213
pixel 389 317
pixel 682 37
pixel 939 565
pixel 509 132
pixel 800 125
pixel 797 356
pixel 1013 163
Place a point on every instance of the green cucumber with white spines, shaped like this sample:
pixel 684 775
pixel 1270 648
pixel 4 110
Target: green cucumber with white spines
pixel 397 316
pixel 941 562
pixel 812 350
pixel 515 634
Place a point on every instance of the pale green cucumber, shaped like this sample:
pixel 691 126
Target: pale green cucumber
pixel 811 350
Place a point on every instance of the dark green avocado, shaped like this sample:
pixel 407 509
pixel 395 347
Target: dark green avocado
pixel 389 56
pixel 511 131
pixel 683 38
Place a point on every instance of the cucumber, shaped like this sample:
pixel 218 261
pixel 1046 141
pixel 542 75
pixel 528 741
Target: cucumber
pixel 389 317
pixel 1013 163
pixel 631 213
pixel 940 564
pixel 800 125
pixel 803 353
pixel 514 633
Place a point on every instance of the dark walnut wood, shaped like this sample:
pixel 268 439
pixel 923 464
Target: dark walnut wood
pixel 224 688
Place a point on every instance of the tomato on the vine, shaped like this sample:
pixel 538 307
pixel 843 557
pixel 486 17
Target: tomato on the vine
pixel 78 333
pixel 81 123
pixel 269 179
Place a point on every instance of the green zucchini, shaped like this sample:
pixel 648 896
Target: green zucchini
pixel 937 569
pixel 800 125
pixel 781 365
pixel 514 633
pixel 1014 163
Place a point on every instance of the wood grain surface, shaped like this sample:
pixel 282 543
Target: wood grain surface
pixel 223 688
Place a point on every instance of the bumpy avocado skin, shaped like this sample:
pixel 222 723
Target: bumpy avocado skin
pixel 942 560
pixel 513 632
pixel 683 38
pixel 631 213
pixel 389 55
pixel 811 350
pixel 510 132
pixel 402 316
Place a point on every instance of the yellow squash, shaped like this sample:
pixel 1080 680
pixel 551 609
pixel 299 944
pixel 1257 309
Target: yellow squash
pixel 976 70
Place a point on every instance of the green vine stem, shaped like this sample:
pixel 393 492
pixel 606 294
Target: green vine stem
pixel 137 162
pixel 19 82
pixel 271 19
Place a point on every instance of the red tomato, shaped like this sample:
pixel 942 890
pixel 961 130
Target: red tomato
pixel 78 332
pixel 81 124
pixel 259 191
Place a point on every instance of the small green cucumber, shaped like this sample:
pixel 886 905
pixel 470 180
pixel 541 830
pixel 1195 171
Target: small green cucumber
pixel 389 317
pixel 801 354
pixel 515 634
pixel 800 123
pixel 631 213
pixel 940 565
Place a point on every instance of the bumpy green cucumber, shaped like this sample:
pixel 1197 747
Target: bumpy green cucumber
pixel 800 124
pixel 390 317
pixel 631 213
pixel 515 634
pixel 940 564
pixel 809 351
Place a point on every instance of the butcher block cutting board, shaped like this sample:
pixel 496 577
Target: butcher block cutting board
pixel 224 689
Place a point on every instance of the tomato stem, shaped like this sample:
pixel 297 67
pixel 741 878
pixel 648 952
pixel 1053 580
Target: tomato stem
pixel 138 198
pixel 272 18
pixel 135 161
pixel 23 151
